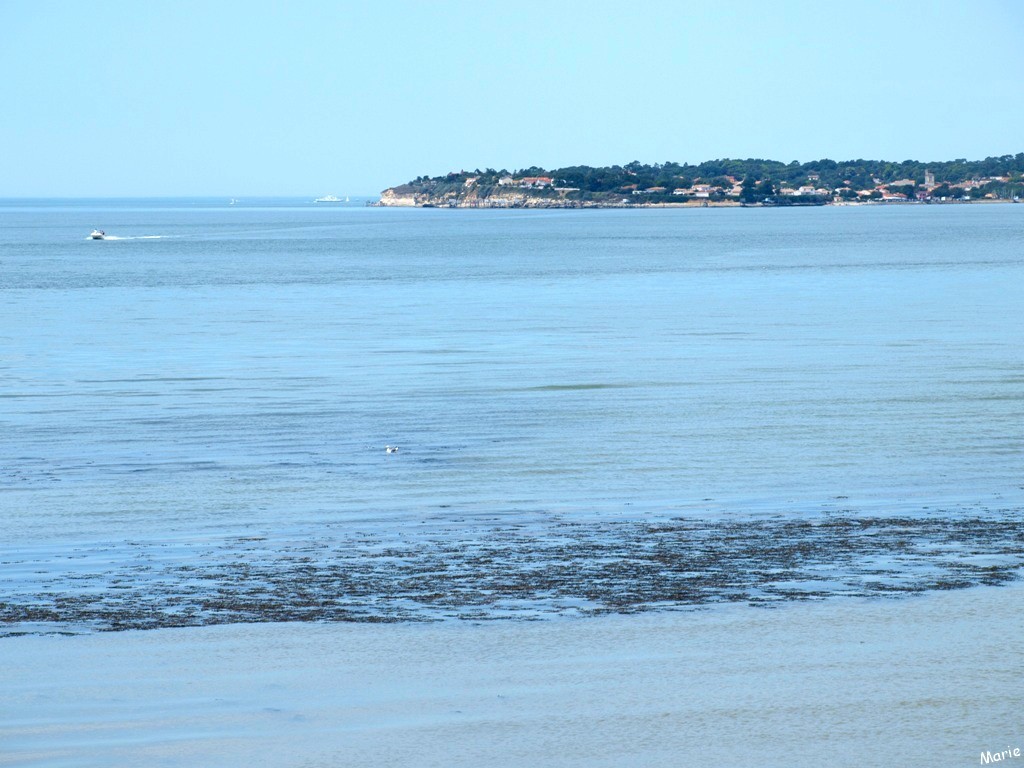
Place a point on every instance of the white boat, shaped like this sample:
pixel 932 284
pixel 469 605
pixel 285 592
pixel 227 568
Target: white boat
pixel 98 234
pixel 328 199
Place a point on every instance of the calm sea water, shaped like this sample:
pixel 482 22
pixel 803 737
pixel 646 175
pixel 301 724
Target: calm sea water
pixel 241 368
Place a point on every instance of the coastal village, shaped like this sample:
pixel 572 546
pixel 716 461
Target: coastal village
pixel 652 186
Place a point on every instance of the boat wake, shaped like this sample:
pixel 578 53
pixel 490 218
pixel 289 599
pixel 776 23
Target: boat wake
pixel 137 237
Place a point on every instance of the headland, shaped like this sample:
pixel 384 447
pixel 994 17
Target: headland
pixel 720 183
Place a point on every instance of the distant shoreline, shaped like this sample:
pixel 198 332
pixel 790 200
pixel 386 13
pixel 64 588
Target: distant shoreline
pixel 719 183
pixel 541 203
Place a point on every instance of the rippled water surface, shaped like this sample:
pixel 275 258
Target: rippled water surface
pixel 221 371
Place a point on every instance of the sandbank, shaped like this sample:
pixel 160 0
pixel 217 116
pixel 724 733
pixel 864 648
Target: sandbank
pixel 925 680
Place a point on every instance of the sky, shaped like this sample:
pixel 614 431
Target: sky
pixel 185 97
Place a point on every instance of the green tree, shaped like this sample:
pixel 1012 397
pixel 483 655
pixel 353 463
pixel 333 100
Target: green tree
pixel 748 193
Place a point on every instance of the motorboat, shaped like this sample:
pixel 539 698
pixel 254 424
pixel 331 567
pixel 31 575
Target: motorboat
pixel 98 234
pixel 328 199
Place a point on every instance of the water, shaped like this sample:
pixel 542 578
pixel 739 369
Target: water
pixel 845 685
pixel 219 371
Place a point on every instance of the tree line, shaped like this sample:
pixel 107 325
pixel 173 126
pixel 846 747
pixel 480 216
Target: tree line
pixel 759 177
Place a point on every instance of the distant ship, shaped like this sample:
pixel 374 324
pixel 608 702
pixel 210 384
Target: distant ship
pixel 98 234
pixel 328 199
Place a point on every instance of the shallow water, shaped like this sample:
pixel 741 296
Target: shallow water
pixel 217 372
pixel 933 680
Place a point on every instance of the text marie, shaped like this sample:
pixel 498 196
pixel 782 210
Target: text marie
pixel 995 757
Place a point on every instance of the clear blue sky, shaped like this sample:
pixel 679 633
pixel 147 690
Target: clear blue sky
pixel 272 98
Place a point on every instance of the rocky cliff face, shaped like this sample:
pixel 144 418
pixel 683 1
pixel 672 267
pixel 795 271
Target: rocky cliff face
pixel 502 197
pixel 396 196
pixel 408 196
